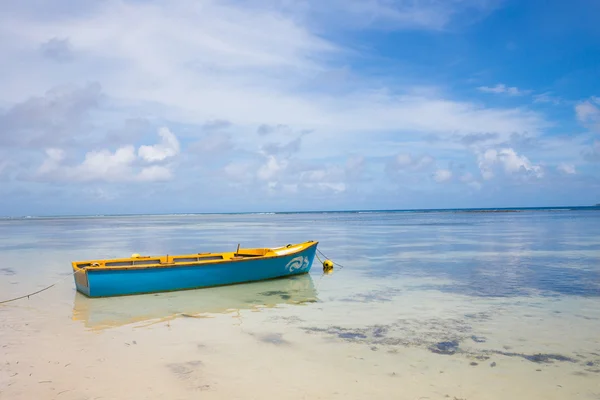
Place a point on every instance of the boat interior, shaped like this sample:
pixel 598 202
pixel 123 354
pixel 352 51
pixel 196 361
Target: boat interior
pixel 137 260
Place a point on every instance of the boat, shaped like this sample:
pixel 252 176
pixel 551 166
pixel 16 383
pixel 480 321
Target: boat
pixel 150 274
pixel 150 309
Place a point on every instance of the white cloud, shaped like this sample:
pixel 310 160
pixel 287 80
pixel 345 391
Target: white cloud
pixel 502 88
pixel 592 153
pixel 118 166
pixel 331 179
pixel 355 167
pixel 57 49
pixel 283 174
pixel 102 165
pixel 241 172
pixel 212 146
pixel 271 168
pixel 279 149
pixel 509 160
pixel 337 187
pixel 546 97
pixel 169 147
pixel 244 65
pixel 568 169
pixel 405 168
pixel 4 166
pixel 395 14
pixel 57 117
pixel 588 113
pixel 52 161
pixel 406 161
pixel 469 179
pixel 265 129
pixel 403 160
pixel 100 194
pixel 154 173
pixel 442 175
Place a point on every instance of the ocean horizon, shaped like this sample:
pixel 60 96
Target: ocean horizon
pixel 348 211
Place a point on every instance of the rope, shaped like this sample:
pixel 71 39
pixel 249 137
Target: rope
pixel 319 258
pixel 321 261
pixel 41 290
pixel 327 258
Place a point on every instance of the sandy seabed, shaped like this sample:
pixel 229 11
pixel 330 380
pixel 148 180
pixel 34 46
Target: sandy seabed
pixel 303 338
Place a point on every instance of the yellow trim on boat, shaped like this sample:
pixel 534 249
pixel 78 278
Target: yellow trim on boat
pixel 137 261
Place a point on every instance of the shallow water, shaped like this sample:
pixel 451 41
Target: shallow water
pixel 428 305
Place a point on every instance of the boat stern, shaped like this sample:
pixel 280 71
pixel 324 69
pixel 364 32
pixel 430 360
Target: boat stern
pixel 80 277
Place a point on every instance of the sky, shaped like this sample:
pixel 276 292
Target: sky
pixel 189 106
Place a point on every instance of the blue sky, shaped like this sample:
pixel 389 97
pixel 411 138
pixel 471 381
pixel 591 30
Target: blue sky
pixel 271 105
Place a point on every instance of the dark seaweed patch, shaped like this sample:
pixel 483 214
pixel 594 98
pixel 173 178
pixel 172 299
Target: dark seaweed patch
pixel 273 338
pixel 186 315
pixel 393 341
pixel 586 317
pixel 306 301
pixel 410 333
pixel 382 295
pixel 449 348
pixel 546 358
pixel 478 339
pixel 274 293
pixel 537 358
pixel 288 320
pixel 342 333
pixel 183 369
pixel 284 295
pixel 440 336
pixel 481 316
pixel 351 335
pixel 380 331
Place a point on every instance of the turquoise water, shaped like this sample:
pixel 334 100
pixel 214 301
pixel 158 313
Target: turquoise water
pixel 553 252
pixel 427 304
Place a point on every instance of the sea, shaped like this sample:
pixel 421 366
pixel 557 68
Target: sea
pixel 422 304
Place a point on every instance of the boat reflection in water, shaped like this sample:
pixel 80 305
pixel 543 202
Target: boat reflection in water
pixel 110 312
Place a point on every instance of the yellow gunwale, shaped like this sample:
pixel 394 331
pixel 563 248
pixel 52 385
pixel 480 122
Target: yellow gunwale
pixel 168 261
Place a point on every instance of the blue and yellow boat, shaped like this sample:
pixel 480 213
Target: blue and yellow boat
pixel 150 274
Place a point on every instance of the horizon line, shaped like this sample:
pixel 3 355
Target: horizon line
pixel 595 206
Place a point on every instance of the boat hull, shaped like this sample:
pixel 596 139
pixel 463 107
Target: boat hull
pixel 122 282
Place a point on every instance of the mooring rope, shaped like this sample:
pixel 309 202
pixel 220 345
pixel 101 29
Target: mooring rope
pixel 322 262
pixel 327 258
pixel 41 290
